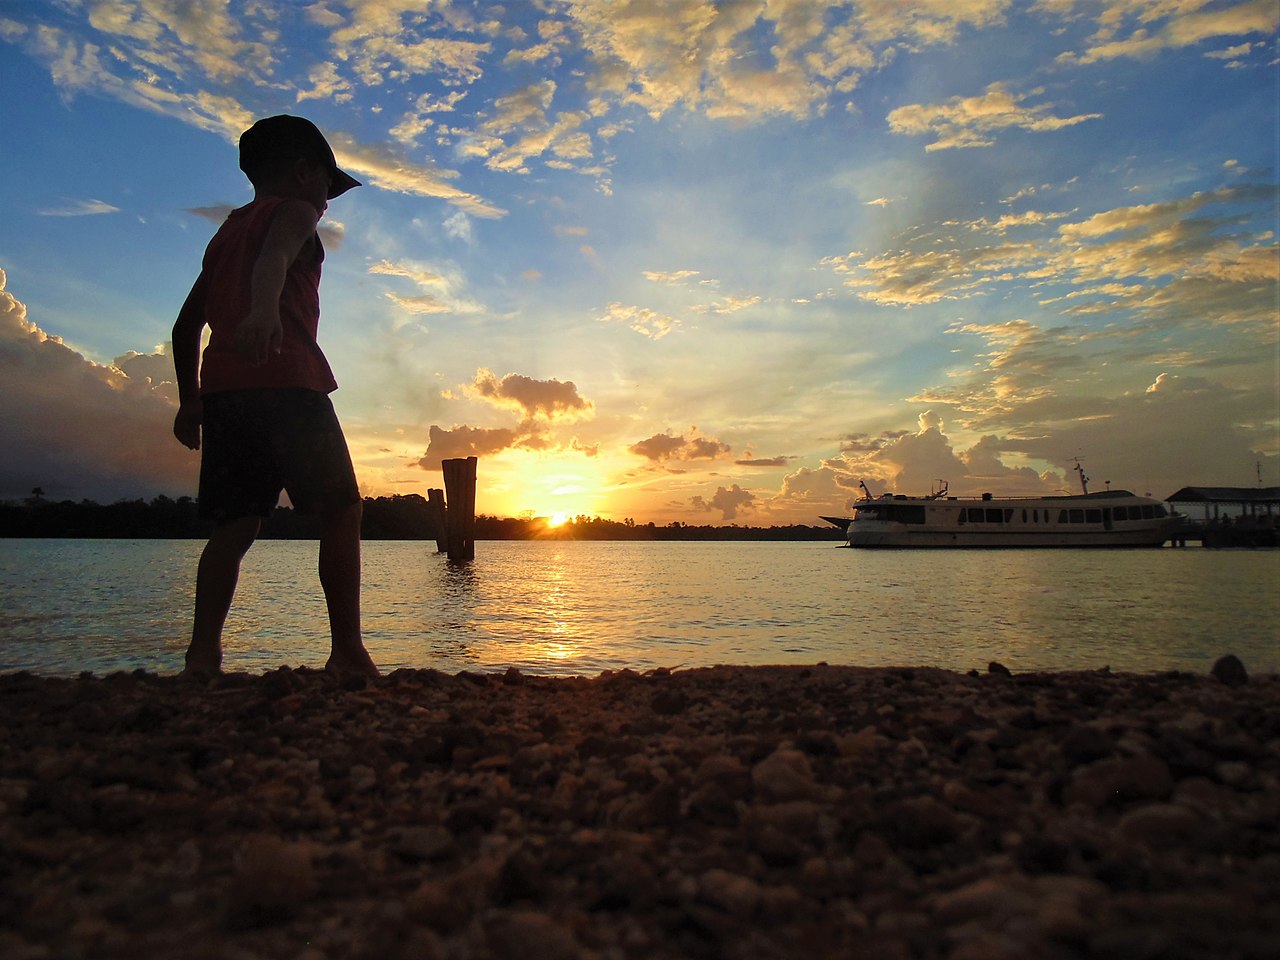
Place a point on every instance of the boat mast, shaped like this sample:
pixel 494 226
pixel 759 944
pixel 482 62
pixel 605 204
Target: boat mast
pixel 1084 481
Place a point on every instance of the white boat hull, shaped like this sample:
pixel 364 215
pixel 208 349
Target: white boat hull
pixel 1117 519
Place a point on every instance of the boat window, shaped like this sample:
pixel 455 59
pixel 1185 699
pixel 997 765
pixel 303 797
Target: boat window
pixel 1077 516
pixel 1062 516
pixel 1008 516
pixel 904 514
pixel 962 515
pixel 1160 511
pixel 995 516
pixel 1148 513
pixel 976 514
pixel 1120 513
pixel 1093 516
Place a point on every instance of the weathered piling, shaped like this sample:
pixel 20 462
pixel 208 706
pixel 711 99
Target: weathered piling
pixel 435 516
pixel 460 517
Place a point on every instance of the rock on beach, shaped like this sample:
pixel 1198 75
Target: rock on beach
pixel 728 812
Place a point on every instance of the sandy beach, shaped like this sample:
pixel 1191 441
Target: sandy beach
pixel 726 812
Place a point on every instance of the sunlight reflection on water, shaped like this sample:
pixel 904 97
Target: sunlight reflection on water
pixel 570 608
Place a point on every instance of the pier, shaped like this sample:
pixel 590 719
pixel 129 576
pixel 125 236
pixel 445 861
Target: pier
pixel 1232 516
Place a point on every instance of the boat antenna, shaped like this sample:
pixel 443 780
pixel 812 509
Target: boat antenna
pixel 1084 481
pixel 942 491
pixel 863 485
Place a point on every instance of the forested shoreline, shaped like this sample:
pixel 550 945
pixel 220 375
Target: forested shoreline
pixel 403 517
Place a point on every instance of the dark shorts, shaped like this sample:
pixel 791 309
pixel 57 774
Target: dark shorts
pixel 255 443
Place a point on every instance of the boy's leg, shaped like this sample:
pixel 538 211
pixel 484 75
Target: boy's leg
pixel 340 578
pixel 216 580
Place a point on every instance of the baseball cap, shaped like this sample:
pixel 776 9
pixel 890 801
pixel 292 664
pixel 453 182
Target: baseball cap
pixel 289 137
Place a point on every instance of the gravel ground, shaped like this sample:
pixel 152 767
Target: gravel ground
pixel 727 812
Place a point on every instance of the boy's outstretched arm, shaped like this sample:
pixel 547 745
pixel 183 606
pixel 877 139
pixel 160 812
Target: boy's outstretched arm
pixel 260 333
pixel 186 363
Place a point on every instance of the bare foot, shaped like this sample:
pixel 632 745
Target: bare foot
pixel 202 665
pixel 353 663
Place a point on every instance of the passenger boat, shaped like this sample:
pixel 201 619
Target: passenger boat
pixel 1114 518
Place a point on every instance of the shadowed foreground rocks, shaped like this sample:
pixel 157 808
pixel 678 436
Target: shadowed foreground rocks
pixel 727 812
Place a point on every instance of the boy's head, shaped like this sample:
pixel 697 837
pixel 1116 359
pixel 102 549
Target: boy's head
pixel 273 144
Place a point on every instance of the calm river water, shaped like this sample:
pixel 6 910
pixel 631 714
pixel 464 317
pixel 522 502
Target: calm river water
pixel 582 607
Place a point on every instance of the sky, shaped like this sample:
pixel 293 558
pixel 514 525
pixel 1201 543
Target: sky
pixel 681 261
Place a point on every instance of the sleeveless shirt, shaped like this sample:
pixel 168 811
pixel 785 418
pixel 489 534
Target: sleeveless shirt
pixel 228 269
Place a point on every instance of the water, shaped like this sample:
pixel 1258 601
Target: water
pixel 582 607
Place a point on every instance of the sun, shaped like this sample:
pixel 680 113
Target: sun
pixel 557 519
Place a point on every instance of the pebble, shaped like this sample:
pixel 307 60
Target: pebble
pixel 522 935
pixel 897 814
pixel 1160 824
pixel 1121 780
pixel 784 775
pixel 1230 671
pixel 273 878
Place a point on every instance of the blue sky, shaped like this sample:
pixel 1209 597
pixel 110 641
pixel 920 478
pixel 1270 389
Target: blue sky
pixel 706 262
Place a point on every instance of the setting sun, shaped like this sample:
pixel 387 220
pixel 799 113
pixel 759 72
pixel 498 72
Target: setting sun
pixel 557 519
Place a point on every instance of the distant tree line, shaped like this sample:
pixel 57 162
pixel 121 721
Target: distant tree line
pixel 404 517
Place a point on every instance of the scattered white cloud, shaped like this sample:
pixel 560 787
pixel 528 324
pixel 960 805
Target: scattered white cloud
pixel 974 121
pixel 642 320
pixel 1140 30
pixel 79 208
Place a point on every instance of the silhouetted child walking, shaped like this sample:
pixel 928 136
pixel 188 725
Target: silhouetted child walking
pixel 259 402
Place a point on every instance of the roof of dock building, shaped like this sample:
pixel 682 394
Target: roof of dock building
pixel 1225 495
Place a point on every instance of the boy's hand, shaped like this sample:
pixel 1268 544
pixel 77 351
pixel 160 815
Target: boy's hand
pixel 259 336
pixel 186 425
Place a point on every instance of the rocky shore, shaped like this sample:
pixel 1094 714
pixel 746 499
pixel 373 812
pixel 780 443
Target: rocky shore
pixel 730 812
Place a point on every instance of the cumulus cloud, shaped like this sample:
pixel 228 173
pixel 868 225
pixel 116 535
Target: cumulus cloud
pixel 918 463
pixel 542 404
pixel 974 121
pixel 465 441
pixel 813 492
pixel 81 429
pixel 1050 395
pixel 1180 430
pixel 551 399
pixel 729 502
pixel 663 446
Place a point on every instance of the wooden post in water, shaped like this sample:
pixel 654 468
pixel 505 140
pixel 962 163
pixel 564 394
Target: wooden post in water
pixel 436 515
pixel 460 517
